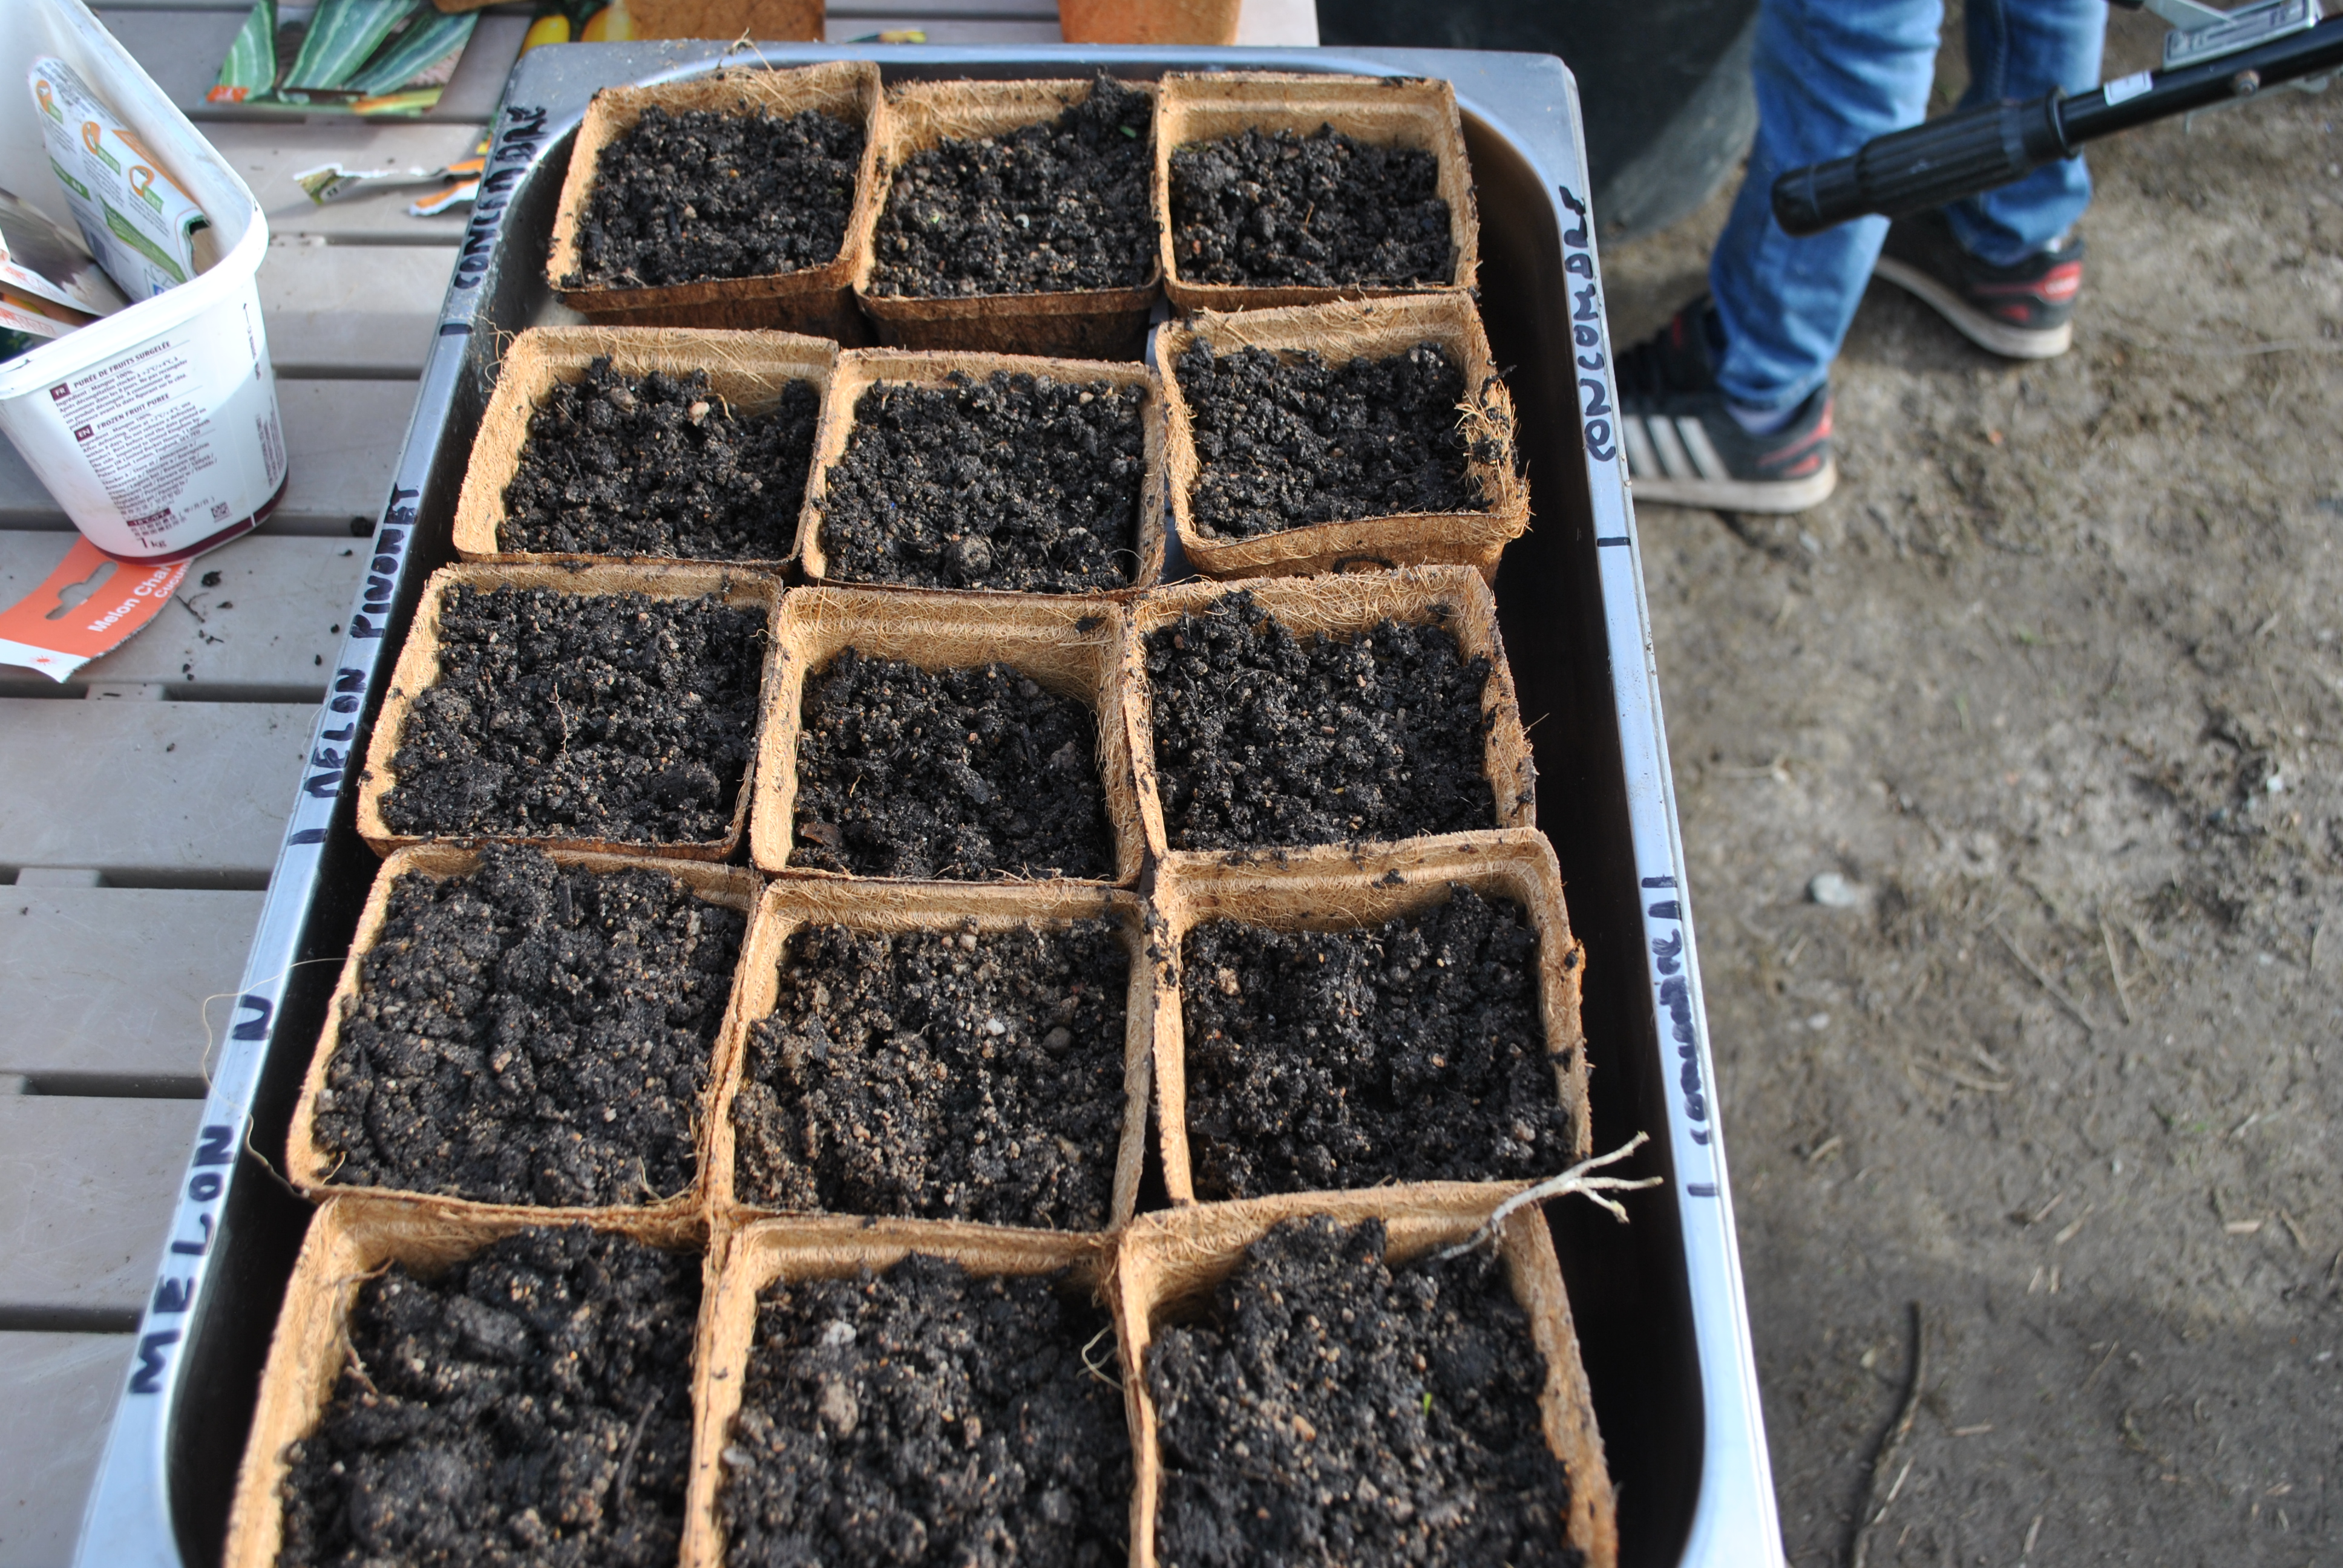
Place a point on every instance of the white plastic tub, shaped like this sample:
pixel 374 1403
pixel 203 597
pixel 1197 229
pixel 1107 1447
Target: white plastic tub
pixel 155 429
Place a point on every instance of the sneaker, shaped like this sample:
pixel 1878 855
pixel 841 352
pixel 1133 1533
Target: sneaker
pixel 2021 312
pixel 1685 448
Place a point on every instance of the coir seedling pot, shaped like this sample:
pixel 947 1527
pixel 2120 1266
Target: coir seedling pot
pixel 419 669
pixel 351 1241
pixel 1382 111
pixel 746 372
pixel 1078 324
pixel 817 298
pixel 1335 890
pixel 1070 648
pixel 312 1169
pixel 932 910
pixel 1339 333
pixel 867 374
pixel 1170 1263
pixel 1450 599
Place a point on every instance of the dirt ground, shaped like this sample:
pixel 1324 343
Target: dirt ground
pixel 2054 681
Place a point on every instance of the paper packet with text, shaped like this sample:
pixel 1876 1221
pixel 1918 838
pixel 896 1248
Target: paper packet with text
pixel 144 228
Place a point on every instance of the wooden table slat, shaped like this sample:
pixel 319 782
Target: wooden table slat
pixel 342 440
pixel 269 155
pixel 70 1382
pixel 265 630
pixel 148 792
pixel 84 1193
pixel 352 310
pixel 110 982
pixel 182 49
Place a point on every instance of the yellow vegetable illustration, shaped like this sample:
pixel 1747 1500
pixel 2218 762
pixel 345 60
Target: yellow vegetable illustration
pixel 554 29
pixel 609 25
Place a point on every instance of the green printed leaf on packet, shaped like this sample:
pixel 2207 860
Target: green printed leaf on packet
pixel 342 36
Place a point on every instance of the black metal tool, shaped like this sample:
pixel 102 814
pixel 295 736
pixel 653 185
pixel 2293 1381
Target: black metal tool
pixel 2236 56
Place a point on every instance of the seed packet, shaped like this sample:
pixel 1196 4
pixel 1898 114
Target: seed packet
pixel 141 226
pixel 40 259
pixel 388 57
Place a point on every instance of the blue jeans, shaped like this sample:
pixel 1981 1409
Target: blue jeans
pixel 1830 75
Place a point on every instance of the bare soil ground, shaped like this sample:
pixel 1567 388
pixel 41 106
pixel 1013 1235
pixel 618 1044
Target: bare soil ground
pixel 2055 682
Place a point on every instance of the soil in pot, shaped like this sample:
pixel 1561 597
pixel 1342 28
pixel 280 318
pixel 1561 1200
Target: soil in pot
pixel 953 774
pixel 605 716
pixel 1319 211
pixel 1409 1051
pixel 531 1033
pixel 1016 481
pixel 921 1416
pixel 1062 204
pixel 658 465
pixel 1334 1410
pixel 1284 443
pixel 530 1405
pixel 682 198
pixel 1265 738
pixel 941 1075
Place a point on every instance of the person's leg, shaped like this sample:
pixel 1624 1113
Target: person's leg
pixel 1830 75
pixel 2021 49
pixel 2002 267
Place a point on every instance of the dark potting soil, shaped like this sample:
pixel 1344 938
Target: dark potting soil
pixel 1013 482
pixel 1065 204
pixel 531 1405
pixel 1409 1051
pixel 1263 737
pixel 531 1033
pixel 940 1075
pixel 680 198
pixel 658 465
pixel 1282 443
pixel 608 716
pixel 960 774
pixel 923 1417
pixel 1319 211
pixel 1334 1409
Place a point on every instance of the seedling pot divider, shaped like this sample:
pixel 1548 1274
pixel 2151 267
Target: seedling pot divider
pixel 1656 1305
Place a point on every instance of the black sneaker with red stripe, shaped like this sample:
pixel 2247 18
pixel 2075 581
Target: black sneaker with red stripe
pixel 2025 311
pixel 1685 448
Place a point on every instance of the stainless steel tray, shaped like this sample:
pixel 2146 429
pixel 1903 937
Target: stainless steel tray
pixel 1659 1303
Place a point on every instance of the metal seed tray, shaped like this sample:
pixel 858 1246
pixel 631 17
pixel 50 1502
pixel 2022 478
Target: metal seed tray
pixel 1659 1304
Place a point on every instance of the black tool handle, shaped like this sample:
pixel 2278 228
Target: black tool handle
pixel 1978 149
pixel 1925 166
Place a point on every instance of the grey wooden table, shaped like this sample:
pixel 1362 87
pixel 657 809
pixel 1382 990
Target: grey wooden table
pixel 141 803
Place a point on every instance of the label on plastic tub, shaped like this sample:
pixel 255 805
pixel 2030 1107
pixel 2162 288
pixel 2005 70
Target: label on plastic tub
pixel 174 442
pixel 140 225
